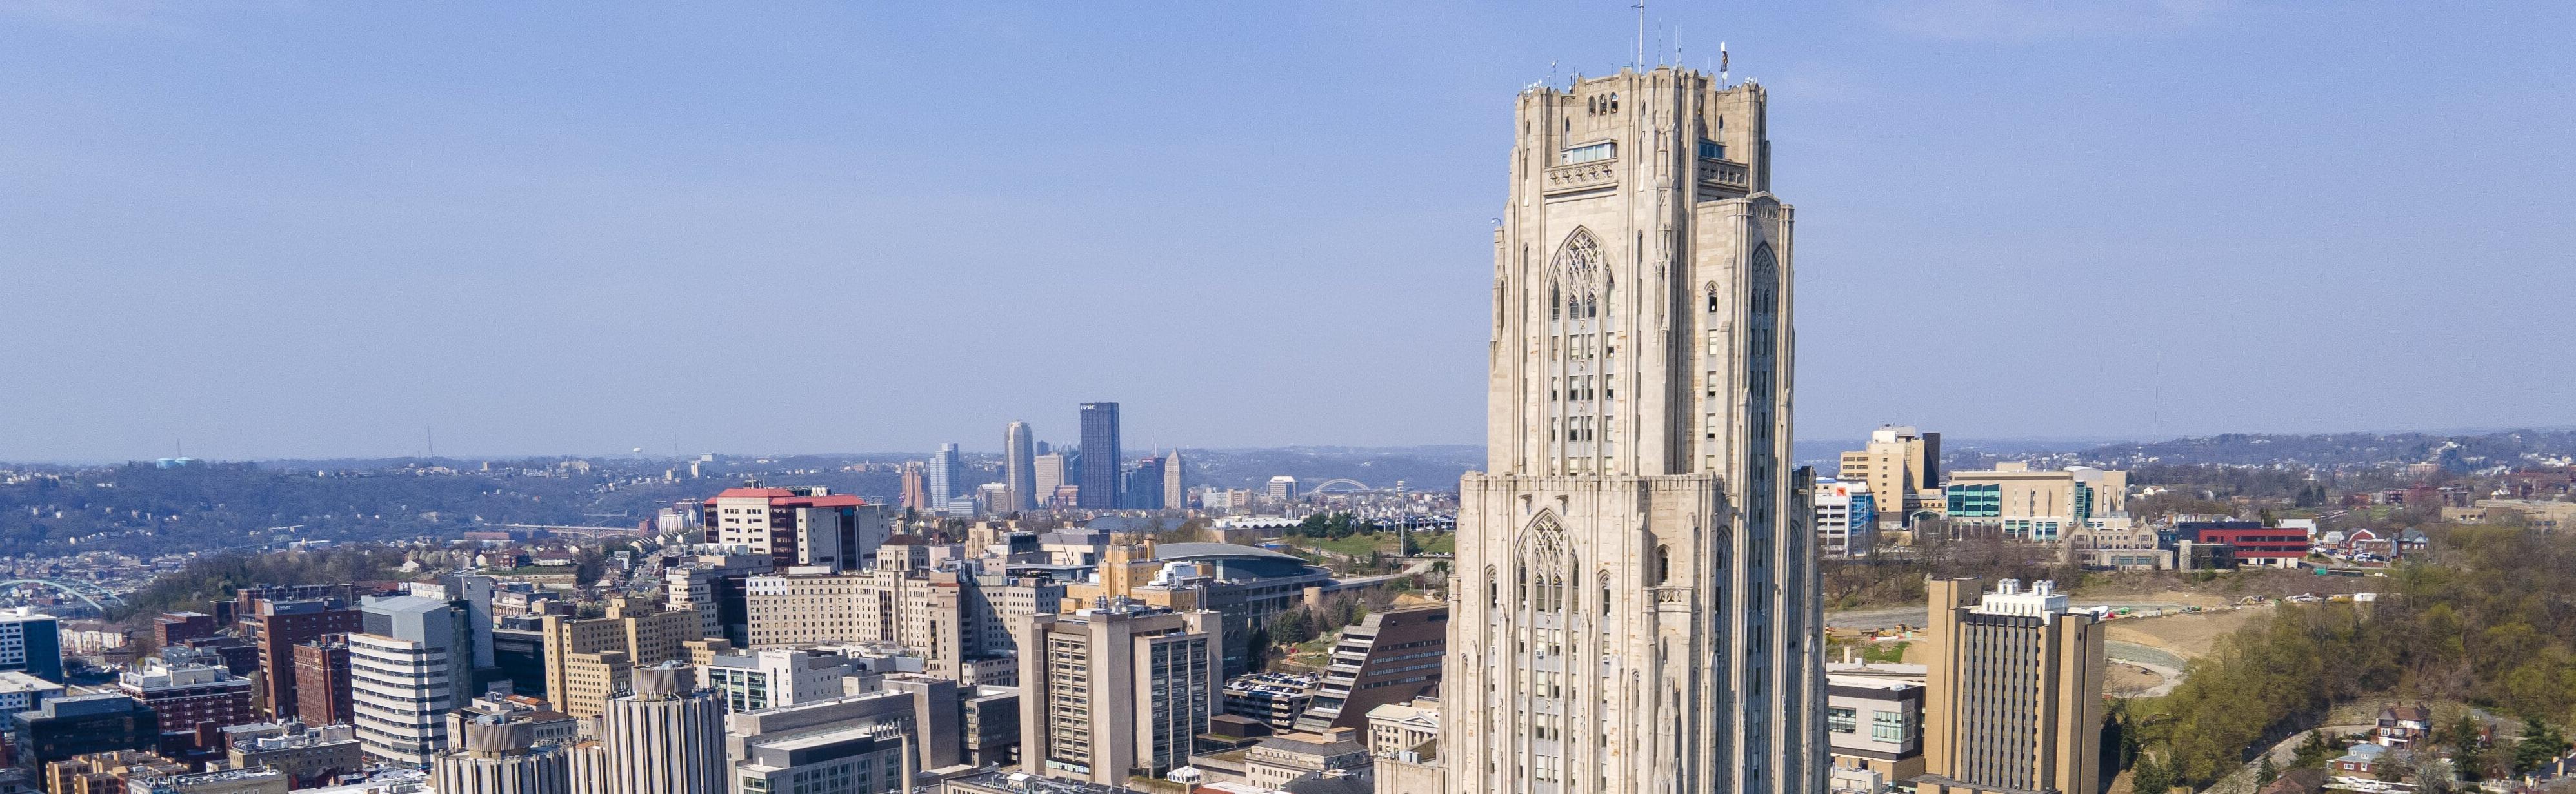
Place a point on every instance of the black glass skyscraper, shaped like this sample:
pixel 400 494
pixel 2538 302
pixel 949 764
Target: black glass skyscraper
pixel 1099 480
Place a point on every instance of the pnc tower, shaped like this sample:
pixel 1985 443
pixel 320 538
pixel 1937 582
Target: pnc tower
pixel 1632 587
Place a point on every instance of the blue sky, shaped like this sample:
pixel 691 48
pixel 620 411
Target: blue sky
pixel 306 229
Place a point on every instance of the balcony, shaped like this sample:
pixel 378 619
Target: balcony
pixel 1579 177
pixel 1725 175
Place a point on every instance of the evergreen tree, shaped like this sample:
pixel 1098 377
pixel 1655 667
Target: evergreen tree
pixel 2266 773
pixel 2149 777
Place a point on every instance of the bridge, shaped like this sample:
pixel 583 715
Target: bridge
pixel 1351 485
pixel 574 529
pixel 73 588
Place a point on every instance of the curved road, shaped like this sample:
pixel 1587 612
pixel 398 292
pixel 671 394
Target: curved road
pixel 2154 660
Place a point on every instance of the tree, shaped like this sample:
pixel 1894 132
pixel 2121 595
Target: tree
pixel 2266 772
pixel 2314 752
pixel 2149 777
pixel 2541 743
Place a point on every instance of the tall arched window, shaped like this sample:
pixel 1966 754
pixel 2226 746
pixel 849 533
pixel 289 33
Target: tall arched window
pixel 1663 564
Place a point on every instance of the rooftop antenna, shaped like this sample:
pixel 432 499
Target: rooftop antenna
pixel 1639 63
pixel 431 438
pixel 1721 64
pixel 1551 74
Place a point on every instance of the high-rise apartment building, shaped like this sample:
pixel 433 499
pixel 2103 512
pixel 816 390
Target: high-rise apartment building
pixel 2013 692
pixel 1100 458
pixel 1019 466
pixel 276 625
pixel 1635 583
pixel 321 677
pixel 404 672
pixel 1902 468
pixel 666 735
pixel 915 489
pixel 31 641
pixel 1175 495
pixel 1108 692
pixel 797 526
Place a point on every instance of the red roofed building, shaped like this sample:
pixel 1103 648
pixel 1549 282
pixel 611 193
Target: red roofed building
pixel 797 526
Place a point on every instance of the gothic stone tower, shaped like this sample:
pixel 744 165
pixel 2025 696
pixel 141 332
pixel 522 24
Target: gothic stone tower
pixel 1633 588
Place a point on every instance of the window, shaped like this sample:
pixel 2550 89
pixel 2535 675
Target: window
pixel 1590 152
pixel 1842 720
pixel 1888 726
pixel 1712 149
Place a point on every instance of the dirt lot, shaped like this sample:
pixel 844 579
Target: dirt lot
pixel 2188 635
pixel 2129 680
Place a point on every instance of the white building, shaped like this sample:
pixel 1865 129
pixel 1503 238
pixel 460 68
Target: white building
pixel 773 677
pixel 400 692
pixel 1846 518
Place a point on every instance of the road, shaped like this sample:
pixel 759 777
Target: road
pixel 1864 619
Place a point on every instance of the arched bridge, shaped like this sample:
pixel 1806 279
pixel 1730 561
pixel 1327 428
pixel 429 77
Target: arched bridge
pixel 1350 484
pixel 68 587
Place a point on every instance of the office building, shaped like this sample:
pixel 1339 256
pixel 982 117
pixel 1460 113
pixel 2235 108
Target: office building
pixel 1387 657
pixel 31 642
pixel 191 701
pixel 991 724
pixel 1048 476
pixel 544 722
pixel 1100 458
pixel 949 615
pixel 1874 725
pixel 519 654
pixel 1019 467
pixel 20 691
pixel 1846 519
pixel 590 659
pixel 945 475
pixel 497 755
pixel 797 526
pixel 773 677
pixel 1176 496
pixel 1109 691
pixel 231 653
pixel 276 626
pixel 1142 489
pixel 2014 502
pixel 404 672
pixel 1901 467
pixel 914 490
pixel 856 742
pixel 1283 489
pixel 2013 692
pixel 309 754
pixel 79 725
pixel 1636 576
pixel 322 681
pixel 1404 741
pixel 666 735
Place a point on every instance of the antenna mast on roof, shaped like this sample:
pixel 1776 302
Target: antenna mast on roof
pixel 1721 64
pixel 1639 63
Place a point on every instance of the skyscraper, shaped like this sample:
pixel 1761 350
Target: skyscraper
pixel 1175 495
pixel 2013 692
pixel 404 671
pixel 1019 465
pixel 1144 485
pixel 943 476
pixel 1633 609
pixel 1100 460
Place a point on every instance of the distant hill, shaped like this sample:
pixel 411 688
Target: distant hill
pixel 2322 451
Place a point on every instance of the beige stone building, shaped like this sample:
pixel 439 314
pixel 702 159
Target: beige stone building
pixel 1633 605
pixel 1105 693
pixel 589 659
pixel 1902 468
pixel 2013 692
pixel 950 615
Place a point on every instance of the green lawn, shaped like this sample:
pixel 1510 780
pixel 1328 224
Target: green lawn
pixel 1357 546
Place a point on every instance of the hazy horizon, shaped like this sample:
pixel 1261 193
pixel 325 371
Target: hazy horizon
pixel 286 231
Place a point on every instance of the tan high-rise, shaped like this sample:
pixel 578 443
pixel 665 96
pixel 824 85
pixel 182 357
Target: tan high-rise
pixel 1902 466
pixel 587 660
pixel 2013 692
pixel 1632 603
